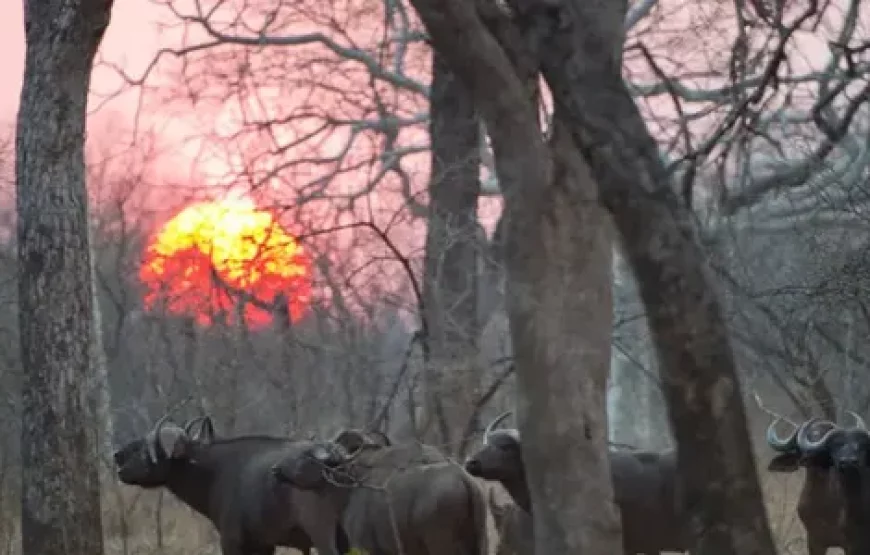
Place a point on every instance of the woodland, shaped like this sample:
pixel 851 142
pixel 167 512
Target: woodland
pixel 639 222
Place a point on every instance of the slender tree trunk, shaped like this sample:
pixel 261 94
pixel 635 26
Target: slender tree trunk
pixel 450 284
pixel 60 481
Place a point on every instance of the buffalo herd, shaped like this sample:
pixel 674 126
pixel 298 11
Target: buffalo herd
pixel 361 491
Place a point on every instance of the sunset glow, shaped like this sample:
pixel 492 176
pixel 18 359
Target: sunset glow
pixel 210 256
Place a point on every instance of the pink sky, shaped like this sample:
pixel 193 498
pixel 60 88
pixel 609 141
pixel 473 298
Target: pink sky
pixel 131 39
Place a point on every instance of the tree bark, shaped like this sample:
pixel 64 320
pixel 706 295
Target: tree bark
pixel 557 253
pixel 450 282
pixel 60 480
pixel 560 307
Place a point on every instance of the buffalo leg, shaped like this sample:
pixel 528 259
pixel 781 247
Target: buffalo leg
pixel 817 548
pixel 342 542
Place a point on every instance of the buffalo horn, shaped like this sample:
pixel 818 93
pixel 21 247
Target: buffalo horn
pixel 780 444
pixel 188 428
pixel 809 446
pixel 859 422
pixel 153 435
pixel 498 420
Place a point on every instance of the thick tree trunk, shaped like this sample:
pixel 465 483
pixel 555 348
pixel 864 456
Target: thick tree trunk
pixel 558 258
pixel 60 482
pixel 450 268
pixel 582 65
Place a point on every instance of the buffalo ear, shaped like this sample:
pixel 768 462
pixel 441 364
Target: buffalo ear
pixel 204 433
pixel 174 442
pixel 787 462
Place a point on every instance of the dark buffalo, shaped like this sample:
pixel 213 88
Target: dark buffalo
pixel 229 481
pixel 644 482
pixel 387 499
pixel 833 505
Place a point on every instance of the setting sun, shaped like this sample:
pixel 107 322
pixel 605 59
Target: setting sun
pixel 211 256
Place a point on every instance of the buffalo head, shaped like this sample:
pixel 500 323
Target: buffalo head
pixel 312 466
pixel 353 440
pixel 147 461
pixel 500 458
pixel 820 443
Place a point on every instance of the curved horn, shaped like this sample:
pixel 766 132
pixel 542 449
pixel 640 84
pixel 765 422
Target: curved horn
pixel 859 422
pixel 498 420
pixel 332 454
pixel 188 428
pixel 151 438
pixel 348 456
pixel 777 443
pixel 809 446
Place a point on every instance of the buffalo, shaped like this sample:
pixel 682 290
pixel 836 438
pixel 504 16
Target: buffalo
pixel 644 482
pixel 227 480
pixel 389 499
pixel 833 504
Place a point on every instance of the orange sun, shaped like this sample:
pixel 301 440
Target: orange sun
pixel 214 258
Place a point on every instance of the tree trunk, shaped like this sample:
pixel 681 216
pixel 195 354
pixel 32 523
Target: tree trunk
pixel 558 257
pixel 60 482
pixel 582 64
pixel 452 242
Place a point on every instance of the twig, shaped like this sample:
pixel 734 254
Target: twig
pixel 770 412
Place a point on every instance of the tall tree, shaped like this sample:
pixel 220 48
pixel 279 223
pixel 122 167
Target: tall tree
pixel 60 480
pixel 450 276
pixel 579 45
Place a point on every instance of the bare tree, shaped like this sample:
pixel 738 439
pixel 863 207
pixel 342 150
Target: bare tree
pixel 450 280
pixel 60 480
